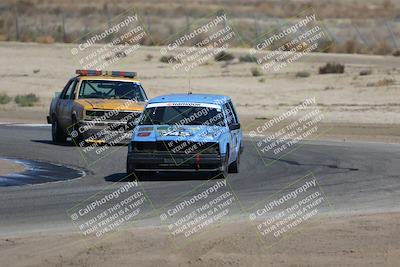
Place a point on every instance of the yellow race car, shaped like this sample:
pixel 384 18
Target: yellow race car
pixel 97 107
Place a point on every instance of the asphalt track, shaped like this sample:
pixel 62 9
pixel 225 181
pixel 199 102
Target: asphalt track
pixel 356 178
pixel 37 172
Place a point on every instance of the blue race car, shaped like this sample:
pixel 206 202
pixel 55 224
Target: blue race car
pixel 186 132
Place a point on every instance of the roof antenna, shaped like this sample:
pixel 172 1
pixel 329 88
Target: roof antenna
pixel 190 89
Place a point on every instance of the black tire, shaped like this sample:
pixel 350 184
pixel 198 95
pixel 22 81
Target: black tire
pixel 75 129
pixel 131 174
pixel 129 169
pixel 130 177
pixel 139 175
pixel 234 166
pixel 224 173
pixel 57 133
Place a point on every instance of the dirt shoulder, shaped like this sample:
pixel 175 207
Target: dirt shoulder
pixel 355 107
pixel 8 167
pixel 24 115
pixel 336 131
pixel 357 240
pixel 345 98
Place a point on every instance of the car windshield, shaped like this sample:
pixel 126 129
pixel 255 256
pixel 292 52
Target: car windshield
pixel 104 89
pixel 182 115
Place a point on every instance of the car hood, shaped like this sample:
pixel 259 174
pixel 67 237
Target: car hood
pixel 194 133
pixel 111 104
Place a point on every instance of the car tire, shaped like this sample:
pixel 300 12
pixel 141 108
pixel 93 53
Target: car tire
pixel 129 169
pixel 131 174
pixel 57 133
pixel 75 128
pixel 234 166
pixel 224 173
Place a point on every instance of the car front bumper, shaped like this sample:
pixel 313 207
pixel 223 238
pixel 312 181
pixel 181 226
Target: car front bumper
pixel 166 161
pixel 105 132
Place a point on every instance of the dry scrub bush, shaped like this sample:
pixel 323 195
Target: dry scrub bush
pixel 47 39
pixel 331 68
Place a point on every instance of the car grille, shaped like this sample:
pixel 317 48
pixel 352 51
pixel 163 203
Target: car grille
pixel 177 147
pixel 124 115
pixel 120 116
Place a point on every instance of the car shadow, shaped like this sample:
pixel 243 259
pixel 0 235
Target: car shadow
pixel 119 177
pixel 160 177
pixel 70 143
pixel 49 142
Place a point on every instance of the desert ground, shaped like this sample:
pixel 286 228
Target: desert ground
pixel 351 103
pixel 360 129
pixel 234 244
pixel 356 107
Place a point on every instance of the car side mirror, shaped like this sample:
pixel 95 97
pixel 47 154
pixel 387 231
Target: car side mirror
pixel 234 126
pixel 57 94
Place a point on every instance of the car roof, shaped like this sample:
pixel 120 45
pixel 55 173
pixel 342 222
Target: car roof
pixel 194 98
pixel 108 78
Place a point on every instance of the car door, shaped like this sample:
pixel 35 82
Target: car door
pixel 62 104
pixel 59 103
pixel 238 131
pixel 69 103
pixel 232 133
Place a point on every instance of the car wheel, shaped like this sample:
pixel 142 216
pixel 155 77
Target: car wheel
pixel 224 172
pixel 234 166
pixel 75 134
pixel 129 169
pixel 131 174
pixel 57 134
